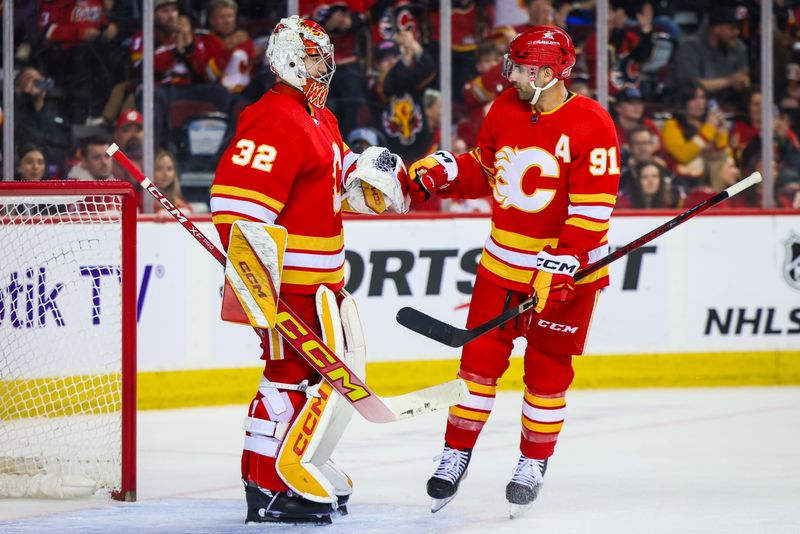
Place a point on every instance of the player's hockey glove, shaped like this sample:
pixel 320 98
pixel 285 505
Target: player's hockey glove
pixel 553 280
pixel 431 174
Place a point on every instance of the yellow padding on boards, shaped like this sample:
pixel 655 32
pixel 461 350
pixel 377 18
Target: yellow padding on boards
pixel 215 387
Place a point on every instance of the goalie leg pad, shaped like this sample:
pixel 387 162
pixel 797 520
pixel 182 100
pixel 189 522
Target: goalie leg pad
pixel 304 462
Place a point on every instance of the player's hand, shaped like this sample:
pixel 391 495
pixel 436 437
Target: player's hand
pixel 431 174
pixel 553 280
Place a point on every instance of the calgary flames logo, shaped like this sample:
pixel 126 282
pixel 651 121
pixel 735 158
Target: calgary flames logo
pixel 403 119
pixel 511 165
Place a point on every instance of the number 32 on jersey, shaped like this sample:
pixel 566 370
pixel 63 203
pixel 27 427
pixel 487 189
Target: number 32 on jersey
pixel 511 165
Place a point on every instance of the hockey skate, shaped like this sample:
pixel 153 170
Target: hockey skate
pixel 525 484
pixel 265 506
pixel 452 469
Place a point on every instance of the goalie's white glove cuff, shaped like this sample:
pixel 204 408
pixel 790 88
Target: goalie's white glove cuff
pixel 557 264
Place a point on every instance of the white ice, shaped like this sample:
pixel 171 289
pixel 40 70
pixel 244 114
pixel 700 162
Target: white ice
pixel 629 461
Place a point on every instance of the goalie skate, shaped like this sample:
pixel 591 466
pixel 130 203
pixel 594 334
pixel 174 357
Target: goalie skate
pixel 525 484
pixel 452 469
pixel 265 506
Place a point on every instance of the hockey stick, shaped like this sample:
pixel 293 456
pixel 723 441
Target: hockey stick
pixel 372 407
pixel 447 334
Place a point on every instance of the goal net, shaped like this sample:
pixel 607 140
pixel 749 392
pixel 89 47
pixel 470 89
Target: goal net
pixel 67 339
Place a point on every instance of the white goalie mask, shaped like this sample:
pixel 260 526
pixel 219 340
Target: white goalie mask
pixel 293 41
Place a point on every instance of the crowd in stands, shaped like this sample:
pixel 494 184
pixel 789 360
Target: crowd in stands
pixel 683 81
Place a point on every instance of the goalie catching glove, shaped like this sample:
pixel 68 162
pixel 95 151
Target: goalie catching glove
pixel 376 183
pixel 431 174
pixel 554 278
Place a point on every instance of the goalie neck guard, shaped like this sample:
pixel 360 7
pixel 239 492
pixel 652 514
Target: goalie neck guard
pixel 291 45
pixel 537 47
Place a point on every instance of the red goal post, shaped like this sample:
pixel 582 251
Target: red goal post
pixel 67 339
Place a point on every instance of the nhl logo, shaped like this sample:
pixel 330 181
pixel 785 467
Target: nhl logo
pixel 791 268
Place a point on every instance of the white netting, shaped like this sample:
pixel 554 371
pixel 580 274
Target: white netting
pixel 60 345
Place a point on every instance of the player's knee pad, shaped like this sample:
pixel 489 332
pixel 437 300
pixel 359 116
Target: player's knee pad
pixel 303 461
pixel 547 372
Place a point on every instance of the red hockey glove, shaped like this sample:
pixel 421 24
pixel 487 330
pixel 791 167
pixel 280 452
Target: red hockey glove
pixel 553 279
pixel 431 174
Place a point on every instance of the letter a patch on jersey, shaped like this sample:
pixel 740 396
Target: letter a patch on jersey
pixel 253 273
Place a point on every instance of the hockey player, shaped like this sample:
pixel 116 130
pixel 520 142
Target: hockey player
pixel 287 167
pixel 550 159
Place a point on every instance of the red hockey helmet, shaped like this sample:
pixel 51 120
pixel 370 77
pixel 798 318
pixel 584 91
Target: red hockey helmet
pixel 543 46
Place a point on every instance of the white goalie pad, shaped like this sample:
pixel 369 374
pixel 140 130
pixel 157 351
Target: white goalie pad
pixel 303 461
pixel 253 273
pixel 374 185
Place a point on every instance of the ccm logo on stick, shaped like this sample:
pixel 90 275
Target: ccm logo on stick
pixel 557 327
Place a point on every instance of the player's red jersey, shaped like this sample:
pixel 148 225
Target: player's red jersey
pixel 553 177
pixel 66 21
pixel 290 177
pixel 230 67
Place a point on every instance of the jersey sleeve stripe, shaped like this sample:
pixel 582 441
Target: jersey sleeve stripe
pixel 598 198
pixel 602 213
pixel 246 194
pixel 310 278
pixel 250 209
pixel 587 224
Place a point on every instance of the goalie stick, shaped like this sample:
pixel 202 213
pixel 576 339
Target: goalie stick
pixel 447 334
pixel 366 402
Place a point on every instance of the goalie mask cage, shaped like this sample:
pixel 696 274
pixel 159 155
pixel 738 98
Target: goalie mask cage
pixel 67 339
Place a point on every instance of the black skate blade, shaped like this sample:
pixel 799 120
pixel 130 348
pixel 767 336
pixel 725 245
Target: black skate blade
pixel 438 504
pixel 518 510
pixel 319 520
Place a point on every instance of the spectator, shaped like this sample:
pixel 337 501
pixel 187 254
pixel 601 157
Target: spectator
pixel 228 53
pixel 95 164
pixel 129 125
pixel 715 58
pixel 361 139
pixel 408 72
pixel 32 164
pixel 165 178
pixel 84 57
pixel 651 188
pixel 643 148
pixel 722 174
pixel 177 65
pixel 695 136
pixel 629 114
pixel 37 122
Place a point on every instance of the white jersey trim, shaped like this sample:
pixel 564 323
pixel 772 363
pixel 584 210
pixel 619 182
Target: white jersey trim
pixel 251 209
pixel 313 261
pixel 600 213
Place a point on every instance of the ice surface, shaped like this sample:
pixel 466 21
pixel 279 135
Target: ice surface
pixel 657 461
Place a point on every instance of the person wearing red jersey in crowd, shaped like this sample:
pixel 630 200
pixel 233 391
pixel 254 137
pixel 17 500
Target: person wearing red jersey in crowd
pixel 228 53
pixel 550 160
pixel 288 168
pixel 177 65
pixel 86 60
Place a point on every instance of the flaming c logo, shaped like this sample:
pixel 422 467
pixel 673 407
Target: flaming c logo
pixel 403 119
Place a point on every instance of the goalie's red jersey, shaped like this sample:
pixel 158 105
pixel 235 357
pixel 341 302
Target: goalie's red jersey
pixel 553 177
pixel 284 166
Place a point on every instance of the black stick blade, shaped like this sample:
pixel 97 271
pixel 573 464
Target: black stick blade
pixel 428 326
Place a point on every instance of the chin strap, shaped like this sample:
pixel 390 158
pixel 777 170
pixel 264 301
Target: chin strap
pixel 538 90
